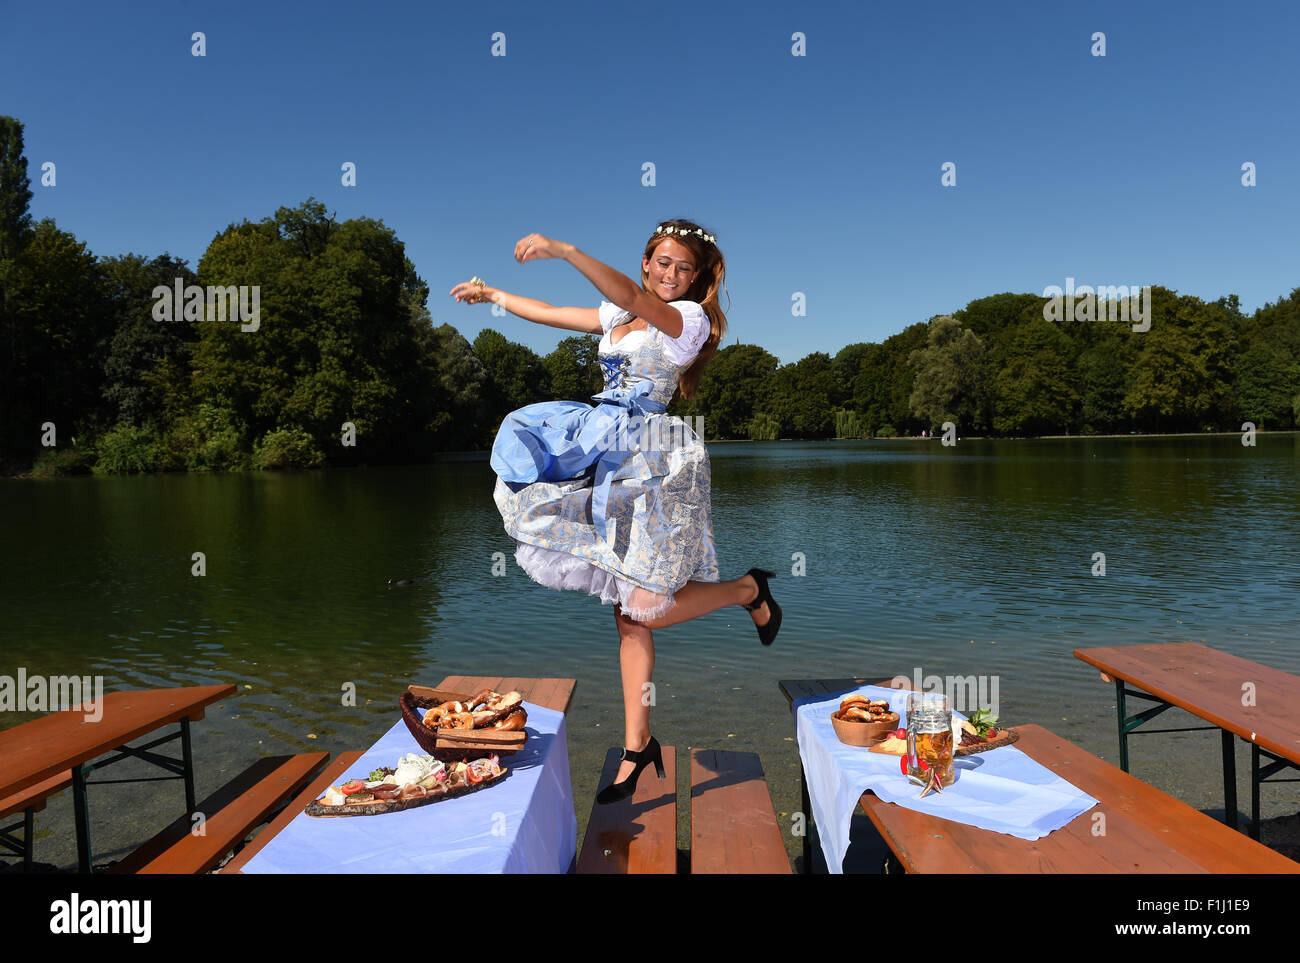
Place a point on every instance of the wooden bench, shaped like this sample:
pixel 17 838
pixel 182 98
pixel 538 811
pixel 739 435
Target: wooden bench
pixel 315 789
pixel 1135 828
pixel 229 815
pixel 638 834
pixel 1235 695
pixel 733 824
pixel 29 802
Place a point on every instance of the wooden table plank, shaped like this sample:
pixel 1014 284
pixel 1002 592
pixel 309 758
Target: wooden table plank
pixel 796 689
pixel 468 684
pixel 640 832
pixel 1145 830
pixel 1211 684
pixel 549 692
pixel 554 694
pixel 34 751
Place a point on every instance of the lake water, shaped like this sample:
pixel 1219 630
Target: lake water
pixel 971 560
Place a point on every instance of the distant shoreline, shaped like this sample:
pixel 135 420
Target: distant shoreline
pixel 484 453
pixel 1134 434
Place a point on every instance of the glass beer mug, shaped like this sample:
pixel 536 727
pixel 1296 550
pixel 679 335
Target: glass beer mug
pixel 929 737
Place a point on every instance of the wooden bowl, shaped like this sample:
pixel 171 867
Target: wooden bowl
pixel 863 734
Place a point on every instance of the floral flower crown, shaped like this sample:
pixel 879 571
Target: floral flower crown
pixel 661 229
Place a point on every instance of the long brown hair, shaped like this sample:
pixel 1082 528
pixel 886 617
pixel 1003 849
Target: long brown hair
pixel 712 267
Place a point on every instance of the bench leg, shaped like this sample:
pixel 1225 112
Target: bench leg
pixel 807 821
pixel 1254 791
pixel 1230 779
pixel 29 829
pixel 187 755
pixel 81 817
pixel 1120 709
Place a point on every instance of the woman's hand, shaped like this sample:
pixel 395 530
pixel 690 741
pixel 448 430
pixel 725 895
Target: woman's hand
pixel 535 246
pixel 473 293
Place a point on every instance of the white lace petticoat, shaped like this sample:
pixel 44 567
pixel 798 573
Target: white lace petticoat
pixel 560 570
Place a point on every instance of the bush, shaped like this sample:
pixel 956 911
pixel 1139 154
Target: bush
pixel 126 449
pixel 287 448
pixel 763 427
pixel 886 431
pixel 206 441
pixel 54 462
pixel 848 424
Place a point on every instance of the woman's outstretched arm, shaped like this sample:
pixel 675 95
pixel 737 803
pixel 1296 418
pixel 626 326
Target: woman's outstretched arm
pixel 614 285
pixel 586 320
pixel 626 293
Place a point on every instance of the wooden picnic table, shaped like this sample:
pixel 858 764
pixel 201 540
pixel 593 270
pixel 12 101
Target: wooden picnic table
pixel 554 694
pixel 35 751
pixel 1145 831
pixel 1236 696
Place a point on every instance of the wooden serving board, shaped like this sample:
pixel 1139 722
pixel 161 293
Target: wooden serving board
pixel 398 805
pixel 493 739
pixel 1005 738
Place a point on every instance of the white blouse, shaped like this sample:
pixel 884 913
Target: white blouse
pixel 680 350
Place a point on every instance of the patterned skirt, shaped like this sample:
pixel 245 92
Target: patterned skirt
pixel 623 517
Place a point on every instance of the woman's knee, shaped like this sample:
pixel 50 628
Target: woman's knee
pixel 628 627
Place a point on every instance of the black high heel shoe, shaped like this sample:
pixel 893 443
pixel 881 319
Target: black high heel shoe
pixel 621 790
pixel 767 632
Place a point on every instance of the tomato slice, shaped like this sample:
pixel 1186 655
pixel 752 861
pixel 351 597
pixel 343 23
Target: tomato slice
pixel 472 775
pixel 356 785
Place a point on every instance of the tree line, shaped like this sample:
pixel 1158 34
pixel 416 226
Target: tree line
pixel 347 367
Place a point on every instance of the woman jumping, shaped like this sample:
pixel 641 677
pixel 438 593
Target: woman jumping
pixel 613 498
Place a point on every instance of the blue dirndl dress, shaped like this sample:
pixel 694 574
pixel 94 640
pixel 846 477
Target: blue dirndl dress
pixel 610 498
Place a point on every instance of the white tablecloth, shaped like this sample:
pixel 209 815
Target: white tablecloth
pixel 1002 790
pixel 526 824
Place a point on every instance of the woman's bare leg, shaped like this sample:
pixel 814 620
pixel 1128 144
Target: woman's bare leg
pixel 700 598
pixel 636 657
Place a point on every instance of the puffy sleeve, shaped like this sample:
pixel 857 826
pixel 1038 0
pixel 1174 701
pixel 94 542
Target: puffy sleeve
pixel 682 349
pixel 609 313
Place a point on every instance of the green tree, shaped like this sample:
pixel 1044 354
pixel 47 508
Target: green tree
pixel 464 419
pixel 846 364
pixel 951 376
pixel 146 374
pixel 990 316
pixel 344 336
pixel 802 398
pixel 883 387
pixel 1103 372
pixel 1183 376
pixel 735 383
pixel 1267 380
pixel 1269 368
pixel 573 369
pixel 15 191
pixel 1033 392
pixel 56 333
pixel 516 376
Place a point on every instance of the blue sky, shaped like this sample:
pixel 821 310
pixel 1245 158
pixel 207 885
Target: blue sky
pixel 818 174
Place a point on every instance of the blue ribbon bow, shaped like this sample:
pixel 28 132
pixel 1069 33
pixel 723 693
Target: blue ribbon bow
pixel 562 441
pixel 636 399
